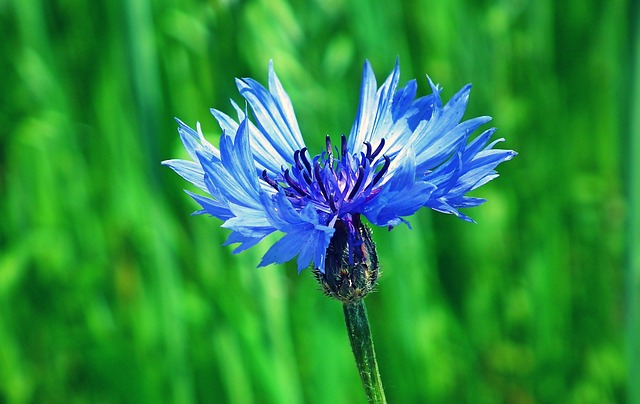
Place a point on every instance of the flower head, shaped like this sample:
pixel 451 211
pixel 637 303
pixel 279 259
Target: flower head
pixel 403 153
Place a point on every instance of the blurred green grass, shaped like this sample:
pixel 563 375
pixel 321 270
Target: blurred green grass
pixel 110 292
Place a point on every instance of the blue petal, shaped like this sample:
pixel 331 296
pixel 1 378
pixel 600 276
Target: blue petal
pixel 445 176
pixel 213 207
pixel 466 202
pixel 250 221
pixel 420 110
pixel 379 117
pixel 188 170
pixel 404 99
pixel 234 177
pixel 401 195
pixel 195 142
pixel 440 205
pixel 314 248
pixel 245 242
pixel 266 156
pixel 238 159
pixel 435 90
pixel 446 118
pixel 436 147
pixel 280 211
pixel 383 116
pixel 286 248
pixel 283 103
pixel 310 237
pixel 307 241
pixel 274 116
pixel 365 116
pixel 477 145
pixel 481 170
pixel 229 126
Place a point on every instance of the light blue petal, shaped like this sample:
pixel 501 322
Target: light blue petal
pixel 365 116
pixel 248 220
pixel 283 104
pixel 284 249
pixel 188 170
pixel 404 99
pixel 193 142
pixel 266 156
pixel 375 117
pixel 235 176
pixel 271 119
pixel 189 137
pixel 477 144
pixel 314 248
pixel 401 195
pixel 229 126
pixel 222 182
pixel 245 242
pixel 211 206
pixel 435 149
pixel 306 241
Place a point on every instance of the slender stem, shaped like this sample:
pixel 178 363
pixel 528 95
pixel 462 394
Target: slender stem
pixel 355 315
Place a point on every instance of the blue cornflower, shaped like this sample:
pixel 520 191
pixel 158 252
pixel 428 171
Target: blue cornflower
pixel 402 153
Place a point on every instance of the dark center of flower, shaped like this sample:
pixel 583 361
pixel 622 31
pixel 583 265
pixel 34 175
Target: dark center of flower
pixel 333 185
pixel 351 264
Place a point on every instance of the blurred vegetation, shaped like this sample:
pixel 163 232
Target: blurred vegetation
pixel 111 292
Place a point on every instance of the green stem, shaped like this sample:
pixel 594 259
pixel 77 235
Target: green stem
pixel 355 315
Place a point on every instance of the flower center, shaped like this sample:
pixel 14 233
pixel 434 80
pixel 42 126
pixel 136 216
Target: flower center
pixel 333 185
pixel 351 265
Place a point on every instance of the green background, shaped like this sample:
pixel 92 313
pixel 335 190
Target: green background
pixel 110 292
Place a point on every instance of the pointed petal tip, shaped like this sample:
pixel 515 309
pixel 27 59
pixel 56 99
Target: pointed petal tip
pixel 396 68
pixel 301 268
pixel 272 70
pixel 241 85
pixel 367 69
pixel 435 87
pixel 262 264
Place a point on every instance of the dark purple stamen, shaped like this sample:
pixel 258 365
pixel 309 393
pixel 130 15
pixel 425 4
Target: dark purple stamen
pixel 307 179
pixel 338 182
pixel 328 144
pixel 305 160
pixel 332 204
pixel 323 190
pixel 356 186
pixel 329 151
pixel 296 158
pixel 293 184
pixel 384 169
pixel 368 153
pixel 378 150
pixel 269 180
pixel 343 138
